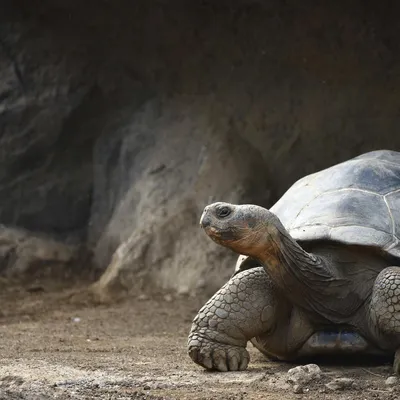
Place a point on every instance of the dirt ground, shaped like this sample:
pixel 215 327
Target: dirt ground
pixel 52 348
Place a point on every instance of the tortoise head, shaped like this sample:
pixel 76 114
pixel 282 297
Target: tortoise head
pixel 246 229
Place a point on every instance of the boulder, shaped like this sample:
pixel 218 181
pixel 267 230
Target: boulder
pixel 170 173
pixel 25 254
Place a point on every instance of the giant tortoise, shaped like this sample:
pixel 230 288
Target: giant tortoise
pixel 319 273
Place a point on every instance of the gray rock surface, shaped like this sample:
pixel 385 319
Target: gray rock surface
pixel 120 121
pixel 392 381
pixel 340 384
pixel 304 374
pixel 169 189
pixel 23 253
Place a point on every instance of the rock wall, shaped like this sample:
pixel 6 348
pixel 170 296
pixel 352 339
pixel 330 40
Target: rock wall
pixel 120 121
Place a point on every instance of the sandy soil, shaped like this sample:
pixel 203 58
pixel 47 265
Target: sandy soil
pixel 53 349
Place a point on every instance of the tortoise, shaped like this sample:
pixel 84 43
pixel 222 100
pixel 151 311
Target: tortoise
pixel 318 273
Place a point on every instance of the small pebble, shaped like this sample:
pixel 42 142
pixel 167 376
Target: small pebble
pixel 340 384
pixel 168 298
pixel 303 374
pixel 391 381
pixel 76 319
pixel 298 389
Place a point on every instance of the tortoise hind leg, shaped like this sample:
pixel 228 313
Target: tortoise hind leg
pixel 385 311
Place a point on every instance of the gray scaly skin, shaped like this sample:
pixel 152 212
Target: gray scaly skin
pixel 246 308
pixel 296 293
pixel 385 310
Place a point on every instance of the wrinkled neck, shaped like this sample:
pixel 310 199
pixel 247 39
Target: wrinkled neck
pixel 284 257
pixel 302 277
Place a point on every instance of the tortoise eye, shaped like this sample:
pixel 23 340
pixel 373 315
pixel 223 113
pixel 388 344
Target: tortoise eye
pixel 223 212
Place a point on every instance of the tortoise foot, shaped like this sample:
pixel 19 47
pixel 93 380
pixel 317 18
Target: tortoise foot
pixel 218 356
pixel 223 326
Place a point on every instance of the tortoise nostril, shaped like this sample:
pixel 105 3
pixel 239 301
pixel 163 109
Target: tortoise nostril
pixel 206 222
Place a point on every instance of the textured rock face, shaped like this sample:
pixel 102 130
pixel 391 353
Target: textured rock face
pixel 26 254
pixel 183 164
pixel 120 121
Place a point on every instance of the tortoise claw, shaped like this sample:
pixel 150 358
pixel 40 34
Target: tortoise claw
pixel 218 356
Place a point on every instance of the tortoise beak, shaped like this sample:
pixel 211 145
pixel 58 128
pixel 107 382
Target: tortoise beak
pixel 205 220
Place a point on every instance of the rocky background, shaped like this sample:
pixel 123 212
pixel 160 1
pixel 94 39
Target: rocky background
pixel 120 120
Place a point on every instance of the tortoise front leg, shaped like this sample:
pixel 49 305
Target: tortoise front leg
pixel 385 312
pixel 242 309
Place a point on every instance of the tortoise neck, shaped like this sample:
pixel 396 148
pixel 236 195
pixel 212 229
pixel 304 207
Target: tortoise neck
pixel 300 275
pixel 306 267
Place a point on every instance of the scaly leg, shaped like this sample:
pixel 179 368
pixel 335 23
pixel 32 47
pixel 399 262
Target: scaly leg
pixel 244 308
pixel 385 312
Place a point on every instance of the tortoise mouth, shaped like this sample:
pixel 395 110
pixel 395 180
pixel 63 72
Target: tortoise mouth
pixel 221 235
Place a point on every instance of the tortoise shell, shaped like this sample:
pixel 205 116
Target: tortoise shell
pixel 354 202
